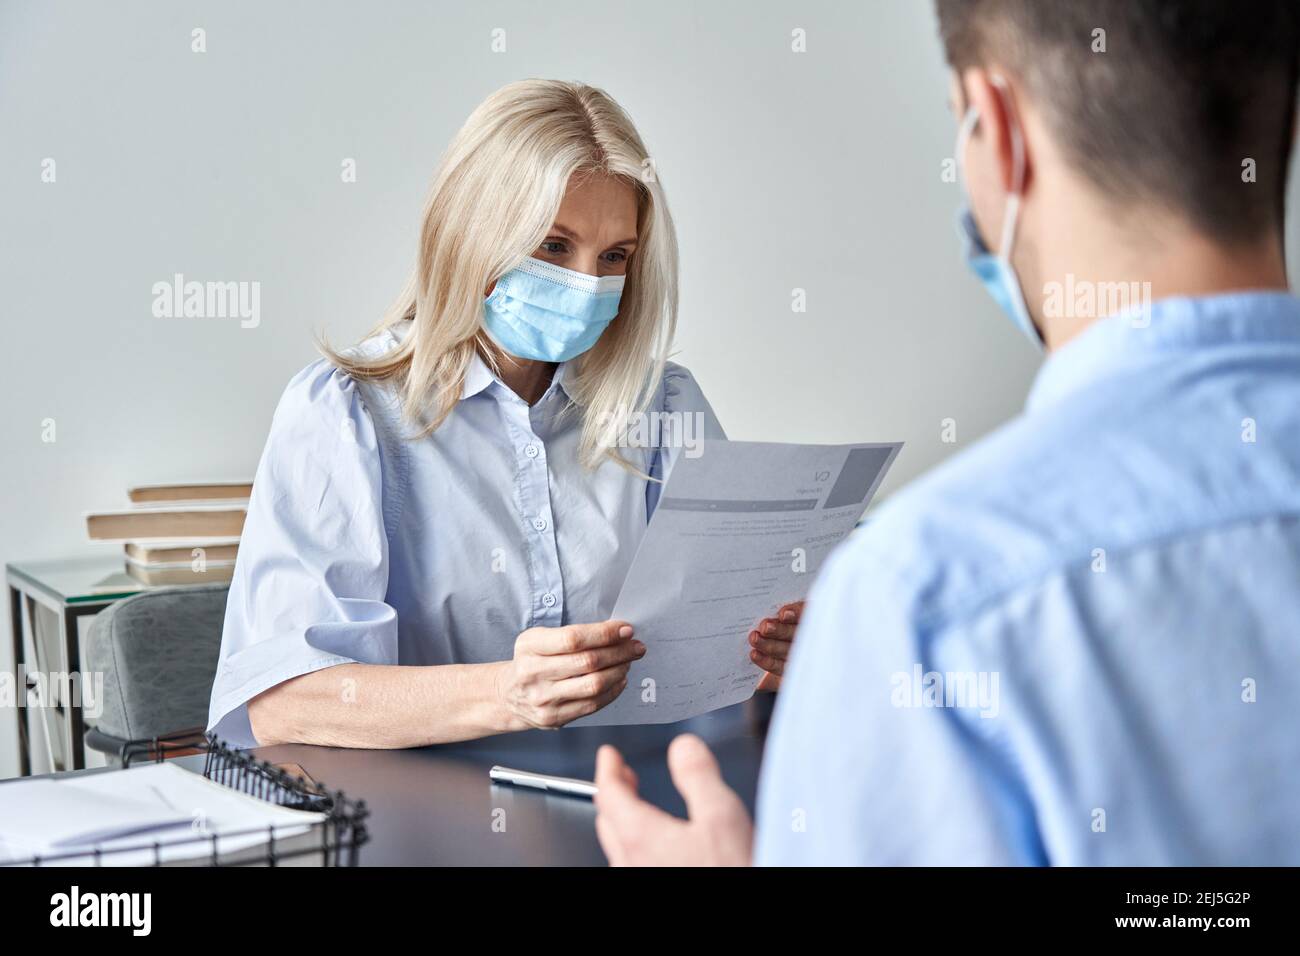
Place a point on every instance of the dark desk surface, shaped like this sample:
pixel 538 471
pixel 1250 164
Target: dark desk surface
pixel 436 805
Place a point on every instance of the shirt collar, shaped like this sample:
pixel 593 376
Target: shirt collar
pixel 478 376
pixel 1168 325
pixel 560 381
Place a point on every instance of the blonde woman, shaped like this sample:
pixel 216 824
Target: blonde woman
pixel 443 515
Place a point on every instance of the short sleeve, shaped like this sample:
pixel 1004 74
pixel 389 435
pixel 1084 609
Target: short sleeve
pixel 682 402
pixel 312 571
pixel 856 771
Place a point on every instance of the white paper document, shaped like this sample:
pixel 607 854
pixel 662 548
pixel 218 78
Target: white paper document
pixel 739 531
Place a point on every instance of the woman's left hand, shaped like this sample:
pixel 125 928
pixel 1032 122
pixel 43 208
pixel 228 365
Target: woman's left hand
pixel 770 643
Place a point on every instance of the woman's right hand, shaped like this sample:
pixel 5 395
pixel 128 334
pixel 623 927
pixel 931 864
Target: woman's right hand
pixel 559 674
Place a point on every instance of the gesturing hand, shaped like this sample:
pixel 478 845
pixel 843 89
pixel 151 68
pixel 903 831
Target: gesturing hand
pixel 633 832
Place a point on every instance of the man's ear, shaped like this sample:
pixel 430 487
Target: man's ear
pixel 999 124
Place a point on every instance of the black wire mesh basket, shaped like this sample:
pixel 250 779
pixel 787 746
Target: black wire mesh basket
pixel 335 840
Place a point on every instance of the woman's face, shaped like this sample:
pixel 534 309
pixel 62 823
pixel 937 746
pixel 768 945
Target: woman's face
pixel 595 230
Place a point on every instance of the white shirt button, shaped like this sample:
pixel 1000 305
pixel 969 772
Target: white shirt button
pixel 548 599
pixel 539 524
pixel 532 451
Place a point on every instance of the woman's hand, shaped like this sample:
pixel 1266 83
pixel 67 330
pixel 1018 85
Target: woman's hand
pixel 559 674
pixel 770 642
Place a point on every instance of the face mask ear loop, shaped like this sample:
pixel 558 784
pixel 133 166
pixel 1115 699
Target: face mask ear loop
pixel 963 133
pixel 1012 215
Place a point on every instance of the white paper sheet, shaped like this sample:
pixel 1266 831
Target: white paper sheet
pixel 739 531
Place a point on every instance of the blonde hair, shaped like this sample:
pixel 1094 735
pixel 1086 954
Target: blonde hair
pixel 493 200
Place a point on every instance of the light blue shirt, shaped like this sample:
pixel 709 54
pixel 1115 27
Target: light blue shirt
pixel 1108 590
pixel 361 545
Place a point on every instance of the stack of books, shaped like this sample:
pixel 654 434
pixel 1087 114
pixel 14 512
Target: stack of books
pixel 177 534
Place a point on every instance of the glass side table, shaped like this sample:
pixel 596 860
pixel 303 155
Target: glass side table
pixel 70 590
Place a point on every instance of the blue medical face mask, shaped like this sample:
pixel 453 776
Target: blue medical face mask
pixel 547 313
pixel 996 271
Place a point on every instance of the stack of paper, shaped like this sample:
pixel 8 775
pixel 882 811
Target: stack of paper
pixel 64 820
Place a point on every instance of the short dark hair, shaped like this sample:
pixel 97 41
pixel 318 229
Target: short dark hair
pixel 1184 93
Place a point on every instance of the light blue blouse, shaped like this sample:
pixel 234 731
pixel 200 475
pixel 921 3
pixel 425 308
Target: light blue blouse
pixel 362 545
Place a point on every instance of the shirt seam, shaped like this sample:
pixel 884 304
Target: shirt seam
pixel 973 606
pixel 392 509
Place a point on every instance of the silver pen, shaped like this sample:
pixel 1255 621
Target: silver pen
pixel 541 781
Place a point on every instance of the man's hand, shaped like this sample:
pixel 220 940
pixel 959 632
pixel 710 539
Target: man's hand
pixel 771 641
pixel 635 833
pixel 559 674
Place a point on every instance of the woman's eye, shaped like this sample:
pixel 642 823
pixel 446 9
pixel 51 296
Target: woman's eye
pixel 615 255
pixel 553 247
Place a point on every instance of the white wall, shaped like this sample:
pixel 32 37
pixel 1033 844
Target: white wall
pixel 817 170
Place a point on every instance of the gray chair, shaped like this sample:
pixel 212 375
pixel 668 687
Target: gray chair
pixel 158 653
